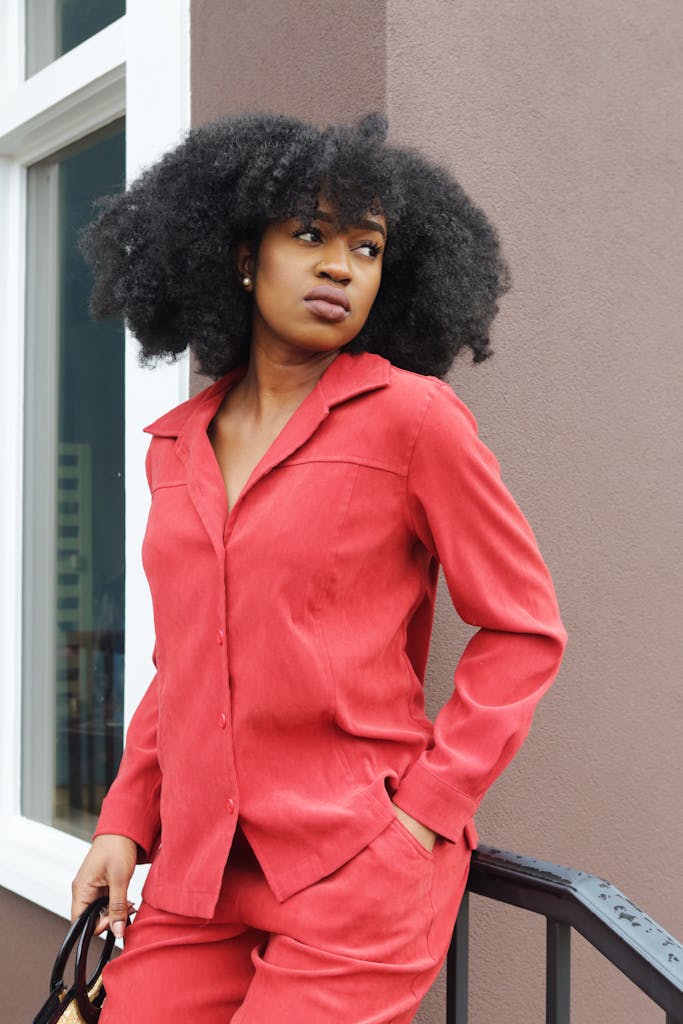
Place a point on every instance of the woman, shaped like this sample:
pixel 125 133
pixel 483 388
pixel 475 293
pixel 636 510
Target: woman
pixel 309 829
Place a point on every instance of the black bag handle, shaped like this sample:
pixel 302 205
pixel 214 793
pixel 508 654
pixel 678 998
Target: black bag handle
pixel 81 930
pixel 75 931
pixel 91 1011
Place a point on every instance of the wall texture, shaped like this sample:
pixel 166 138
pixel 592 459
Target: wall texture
pixel 317 61
pixel 563 121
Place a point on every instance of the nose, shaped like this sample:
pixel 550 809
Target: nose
pixel 334 262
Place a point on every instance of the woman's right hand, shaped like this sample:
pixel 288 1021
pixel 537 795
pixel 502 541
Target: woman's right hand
pixel 107 869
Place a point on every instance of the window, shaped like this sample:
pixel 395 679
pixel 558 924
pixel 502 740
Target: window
pixel 53 27
pixel 76 625
pixel 74 512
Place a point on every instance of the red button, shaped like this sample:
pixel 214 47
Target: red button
pixel 231 805
pixel 222 720
pixel 220 636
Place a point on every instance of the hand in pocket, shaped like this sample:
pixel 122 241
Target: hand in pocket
pixel 424 835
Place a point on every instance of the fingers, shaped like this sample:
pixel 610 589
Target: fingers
pixel 82 896
pixel 118 905
pixel 85 894
pixel 106 871
pixel 104 922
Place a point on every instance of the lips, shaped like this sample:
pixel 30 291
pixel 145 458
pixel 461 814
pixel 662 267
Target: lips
pixel 328 302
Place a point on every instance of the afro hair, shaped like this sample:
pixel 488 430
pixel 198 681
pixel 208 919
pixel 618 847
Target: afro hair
pixel 162 252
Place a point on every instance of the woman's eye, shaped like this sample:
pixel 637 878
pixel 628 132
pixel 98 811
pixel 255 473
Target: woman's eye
pixel 307 231
pixel 374 249
pixel 316 236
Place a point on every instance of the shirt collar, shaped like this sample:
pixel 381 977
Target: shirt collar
pixel 348 375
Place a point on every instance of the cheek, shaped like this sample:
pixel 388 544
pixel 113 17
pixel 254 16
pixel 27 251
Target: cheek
pixel 277 287
pixel 276 274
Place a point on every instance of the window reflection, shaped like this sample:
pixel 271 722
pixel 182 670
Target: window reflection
pixel 54 27
pixel 74 501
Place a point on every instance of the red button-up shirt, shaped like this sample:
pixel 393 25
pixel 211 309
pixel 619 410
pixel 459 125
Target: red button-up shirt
pixel 292 635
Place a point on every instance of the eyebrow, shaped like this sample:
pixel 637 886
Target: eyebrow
pixel 369 225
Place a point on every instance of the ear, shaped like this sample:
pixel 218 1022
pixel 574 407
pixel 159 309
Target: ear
pixel 244 259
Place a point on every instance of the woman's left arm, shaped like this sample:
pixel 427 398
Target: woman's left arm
pixel 465 516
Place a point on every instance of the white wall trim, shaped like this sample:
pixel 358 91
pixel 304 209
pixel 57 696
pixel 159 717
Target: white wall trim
pixel 12 255
pixel 12 48
pixel 74 95
pixel 157 115
pixel 138 66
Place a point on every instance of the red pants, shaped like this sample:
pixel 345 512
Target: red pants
pixel 361 946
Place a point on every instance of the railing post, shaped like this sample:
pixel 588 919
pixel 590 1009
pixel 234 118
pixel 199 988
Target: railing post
pixel 557 970
pixel 457 964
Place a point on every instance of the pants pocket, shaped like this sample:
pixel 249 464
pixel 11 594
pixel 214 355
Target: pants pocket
pixel 412 840
pixel 376 906
pixel 449 879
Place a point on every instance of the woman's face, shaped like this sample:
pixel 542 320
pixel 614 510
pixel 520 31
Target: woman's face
pixel 314 284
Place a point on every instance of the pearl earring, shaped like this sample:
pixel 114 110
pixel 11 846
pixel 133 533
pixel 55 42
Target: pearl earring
pixel 246 281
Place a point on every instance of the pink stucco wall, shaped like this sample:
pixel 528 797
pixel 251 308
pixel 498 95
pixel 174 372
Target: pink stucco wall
pixel 300 57
pixel 563 122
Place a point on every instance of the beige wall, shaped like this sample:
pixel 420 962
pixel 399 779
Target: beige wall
pixel 301 57
pixel 562 120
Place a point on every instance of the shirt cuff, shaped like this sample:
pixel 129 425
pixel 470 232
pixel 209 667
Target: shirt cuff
pixel 436 804
pixel 129 821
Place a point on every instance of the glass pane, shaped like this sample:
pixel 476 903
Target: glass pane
pixel 74 570
pixel 55 26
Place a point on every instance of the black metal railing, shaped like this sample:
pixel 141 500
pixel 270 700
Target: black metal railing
pixel 650 957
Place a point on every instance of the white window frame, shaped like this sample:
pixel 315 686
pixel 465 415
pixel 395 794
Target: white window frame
pixel 139 67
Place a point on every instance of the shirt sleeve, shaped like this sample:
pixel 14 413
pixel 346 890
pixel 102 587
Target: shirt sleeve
pixel 132 806
pixel 467 519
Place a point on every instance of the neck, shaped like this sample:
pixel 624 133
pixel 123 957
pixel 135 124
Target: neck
pixel 278 378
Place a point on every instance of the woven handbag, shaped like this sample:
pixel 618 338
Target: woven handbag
pixel 81 1003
